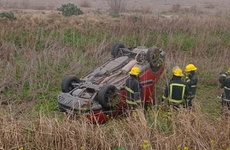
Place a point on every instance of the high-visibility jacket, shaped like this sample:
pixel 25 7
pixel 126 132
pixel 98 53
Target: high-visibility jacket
pixel 224 79
pixel 176 91
pixel 192 81
pixel 133 90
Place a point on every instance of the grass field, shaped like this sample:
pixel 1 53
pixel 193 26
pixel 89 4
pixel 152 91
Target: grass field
pixel 39 48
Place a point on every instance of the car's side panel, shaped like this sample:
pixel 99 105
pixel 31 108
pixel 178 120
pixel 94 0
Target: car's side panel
pixel 147 74
pixel 123 98
pixel 97 117
pixel 148 93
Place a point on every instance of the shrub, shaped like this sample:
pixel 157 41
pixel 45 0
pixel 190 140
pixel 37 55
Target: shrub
pixel 70 9
pixel 114 15
pixel 9 15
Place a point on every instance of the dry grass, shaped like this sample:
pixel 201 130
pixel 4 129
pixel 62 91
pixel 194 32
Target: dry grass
pixel 38 49
pixel 141 10
pixel 176 8
pixel 85 4
pixel 210 5
pixel 190 129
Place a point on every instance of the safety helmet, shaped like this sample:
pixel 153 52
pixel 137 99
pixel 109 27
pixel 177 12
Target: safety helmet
pixel 135 71
pixel 228 70
pixel 178 72
pixel 175 67
pixel 190 67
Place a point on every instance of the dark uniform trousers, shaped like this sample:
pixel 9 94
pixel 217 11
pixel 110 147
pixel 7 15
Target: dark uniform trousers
pixel 191 81
pixel 225 84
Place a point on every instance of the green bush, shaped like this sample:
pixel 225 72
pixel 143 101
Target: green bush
pixel 9 15
pixel 70 9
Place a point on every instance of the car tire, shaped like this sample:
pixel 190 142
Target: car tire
pixel 153 56
pixel 107 93
pixel 61 109
pixel 115 49
pixel 150 55
pixel 67 83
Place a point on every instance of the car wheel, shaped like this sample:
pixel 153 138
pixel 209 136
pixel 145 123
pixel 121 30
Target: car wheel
pixel 116 49
pixel 108 96
pixel 61 109
pixel 154 58
pixel 67 83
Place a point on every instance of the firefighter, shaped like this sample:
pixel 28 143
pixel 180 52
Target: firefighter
pixel 177 90
pixel 191 79
pixel 133 89
pixel 224 80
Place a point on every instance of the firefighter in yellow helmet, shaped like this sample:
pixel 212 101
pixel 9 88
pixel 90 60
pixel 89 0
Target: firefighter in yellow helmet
pixel 133 89
pixel 224 80
pixel 177 90
pixel 191 79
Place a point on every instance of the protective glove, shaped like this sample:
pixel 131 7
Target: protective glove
pixel 187 79
pixel 163 98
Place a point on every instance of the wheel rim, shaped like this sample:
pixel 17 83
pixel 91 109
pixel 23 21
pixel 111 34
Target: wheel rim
pixel 71 87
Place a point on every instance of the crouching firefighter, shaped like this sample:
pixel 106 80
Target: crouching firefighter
pixel 177 90
pixel 224 80
pixel 133 89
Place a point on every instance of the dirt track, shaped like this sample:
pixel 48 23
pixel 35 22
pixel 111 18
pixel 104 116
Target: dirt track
pixel 207 6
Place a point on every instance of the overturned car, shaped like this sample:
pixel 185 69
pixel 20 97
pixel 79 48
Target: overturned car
pixel 101 94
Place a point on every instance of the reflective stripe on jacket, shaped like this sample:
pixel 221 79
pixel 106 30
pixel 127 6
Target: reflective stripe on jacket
pixel 129 90
pixel 129 101
pixel 192 81
pixel 133 90
pixel 132 102
pixel 226 85
pixel 222 78
pixel 171 99
pixel 226 88
pixel 176 91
